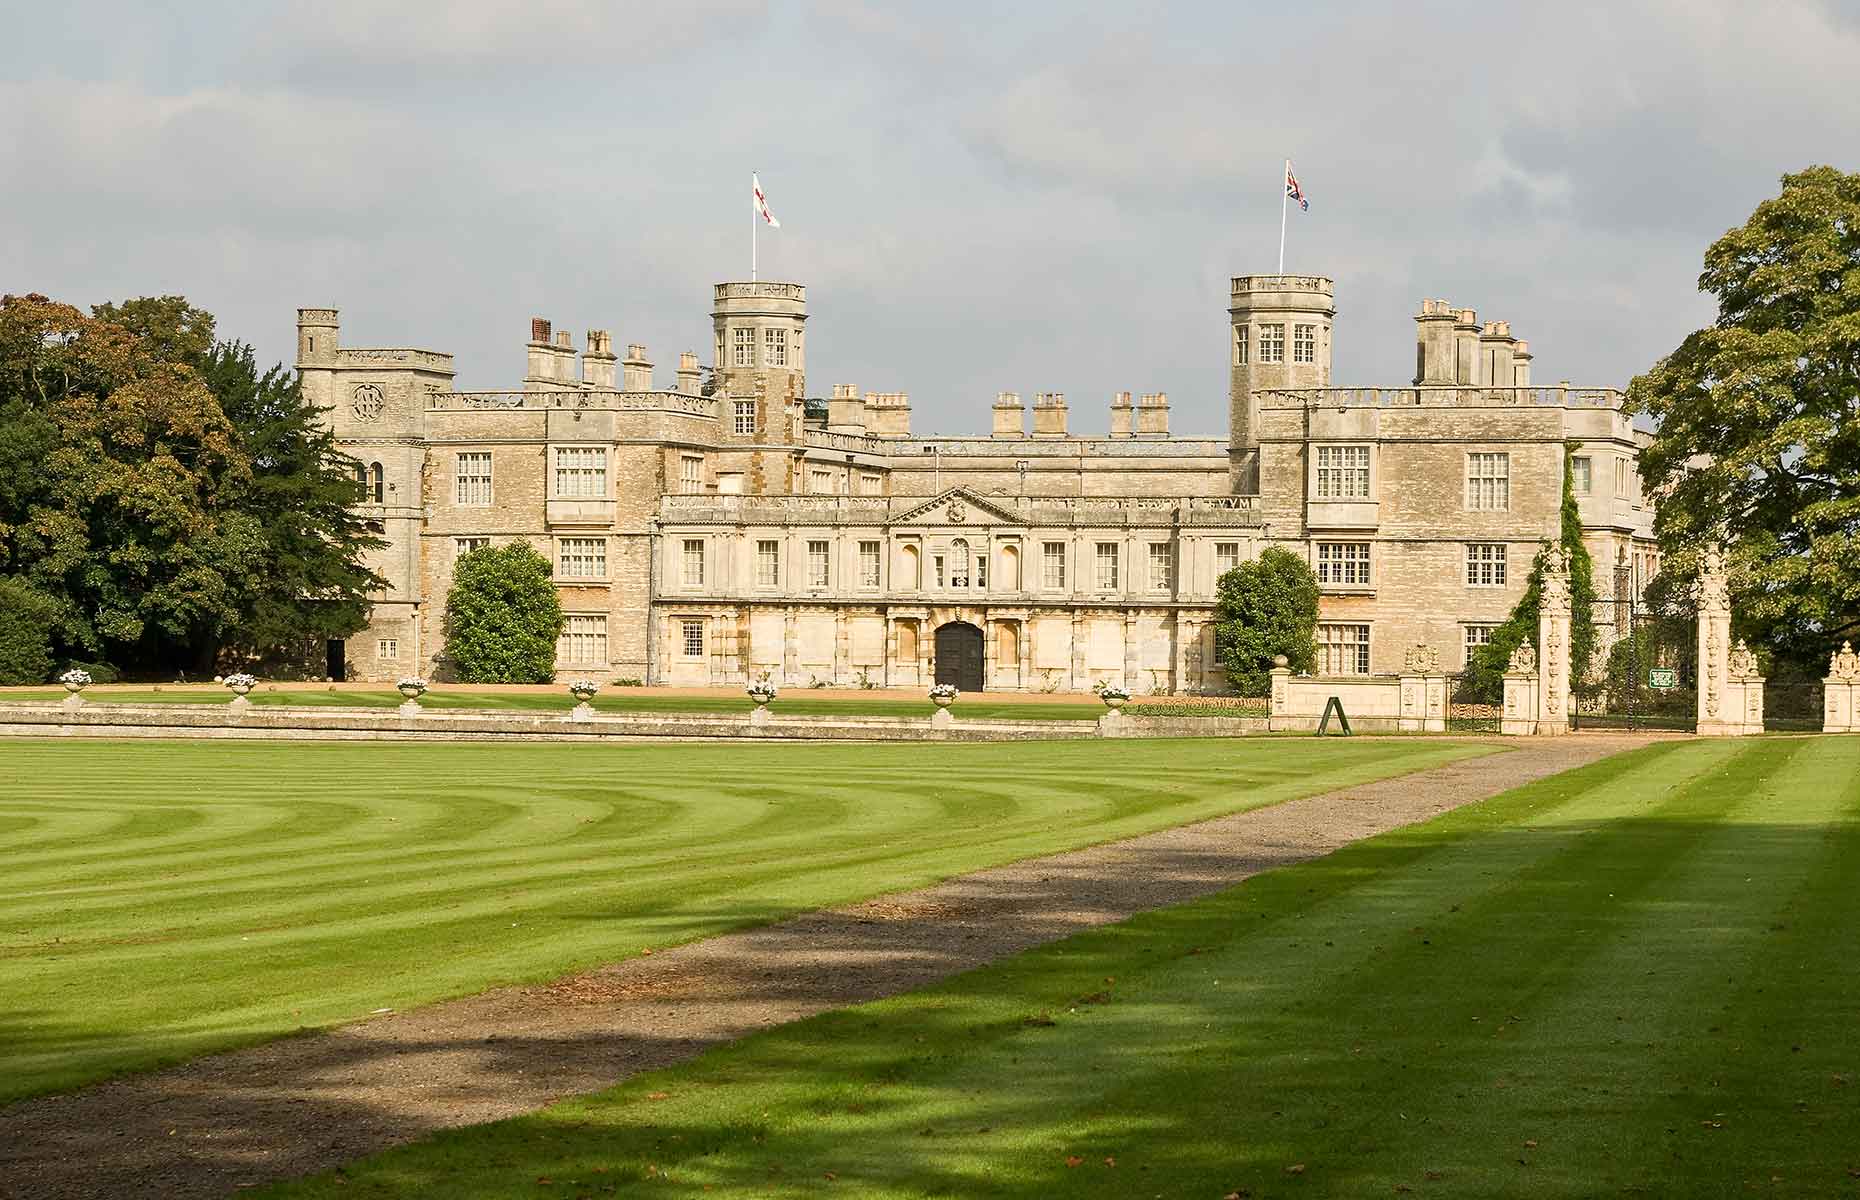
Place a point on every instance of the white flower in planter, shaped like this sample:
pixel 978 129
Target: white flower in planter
pixel 1112 691
pixel 412 683
pixel 944 691
pixel 240 680
pixel 581 689
pixel 761 691
pixel 75 678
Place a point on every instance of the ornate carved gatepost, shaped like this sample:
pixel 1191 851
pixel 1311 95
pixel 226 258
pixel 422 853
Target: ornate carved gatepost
pixel 1717 715
pixel 1553 645
pixel 1520 693
pixel 1423 692
pixel 1744 688
pixel 1840 711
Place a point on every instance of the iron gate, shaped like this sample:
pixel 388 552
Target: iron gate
pixel 1643 673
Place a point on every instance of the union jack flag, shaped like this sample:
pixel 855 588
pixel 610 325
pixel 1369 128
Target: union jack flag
pixel 1292 191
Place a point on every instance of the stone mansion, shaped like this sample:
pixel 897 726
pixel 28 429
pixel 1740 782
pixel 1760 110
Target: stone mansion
pixel 730 525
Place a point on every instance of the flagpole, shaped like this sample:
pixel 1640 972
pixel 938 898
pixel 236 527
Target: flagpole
pixel 752 229
pixel 1284 196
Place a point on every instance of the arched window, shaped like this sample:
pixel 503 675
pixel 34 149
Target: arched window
pixel 1010 568
pixel 376 485
pixel 913 569
pixel 959 563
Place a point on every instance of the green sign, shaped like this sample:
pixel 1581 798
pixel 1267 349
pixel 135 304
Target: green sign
pixel 1663 679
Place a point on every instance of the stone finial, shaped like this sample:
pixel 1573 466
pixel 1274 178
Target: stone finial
pixel 1422 659
pixel 1742 662
pixel 1712 589
pixel 1523 659
pixel 1845 665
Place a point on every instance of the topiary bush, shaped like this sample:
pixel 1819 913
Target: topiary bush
pixel 503 616
pixel 1261 609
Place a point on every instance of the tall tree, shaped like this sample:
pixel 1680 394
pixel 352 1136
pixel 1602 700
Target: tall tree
pixel 120 522
pixel 1263 609
pixel 1759 418
pixel 313 583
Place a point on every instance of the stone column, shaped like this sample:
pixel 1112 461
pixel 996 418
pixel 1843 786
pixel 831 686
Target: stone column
pixel 1840 711
pixel 1716 716
pixel 1133 652
pixel 1279 713
pixel 1553 681
pixel 1520 713
pixel 790 648
pixel 1078 682
pixel 842 648
pixel 991 649
pixel 1026 649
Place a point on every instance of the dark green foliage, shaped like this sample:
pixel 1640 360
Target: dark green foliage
pixel 1484 680
pixel 313 585
pixel 1265 608
pixel 503 616
pixel 1759 421
pixel 167 499
pixel 25 633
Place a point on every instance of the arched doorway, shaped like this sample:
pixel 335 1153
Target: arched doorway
pixel 959 656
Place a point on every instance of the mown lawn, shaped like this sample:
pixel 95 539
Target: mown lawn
pixel 614 700
pixel 1641 978
pixel 162 899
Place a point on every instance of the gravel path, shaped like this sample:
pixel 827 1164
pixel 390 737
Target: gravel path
pixel 304 1104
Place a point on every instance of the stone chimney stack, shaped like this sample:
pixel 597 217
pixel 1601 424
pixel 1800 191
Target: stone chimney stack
pixel 1122 422
pixel 1049 415
pixel 1433 344
pixel 1521 364
pixel 635 371
pixel 1010 416
pixel 846 409
pixel 541 367
pixel 689 381
pixel 597 361
pixel 1153 415
pixel 1495 351
pixel 564 351
pixel 888 414
pixel 1466 364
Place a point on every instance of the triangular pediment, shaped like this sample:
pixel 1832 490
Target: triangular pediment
pixel 958 506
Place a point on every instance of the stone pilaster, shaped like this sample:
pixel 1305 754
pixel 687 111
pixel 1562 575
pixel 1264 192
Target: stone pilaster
pixel 1553 613
pixel 1840 711
pixel 1520 712
pixel 1279 714
pixel 1423 697
pixel 790 649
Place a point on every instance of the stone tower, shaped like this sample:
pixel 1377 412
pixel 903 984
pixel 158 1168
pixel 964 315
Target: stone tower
pixel 1280 339
pixel 762 350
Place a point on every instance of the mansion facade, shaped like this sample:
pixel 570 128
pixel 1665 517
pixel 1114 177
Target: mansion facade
pixel 730 526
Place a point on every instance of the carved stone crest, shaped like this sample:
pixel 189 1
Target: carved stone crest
pixel 1743 661
pixel 1523 659
pixel 1712 590
pixel 956 511
pixel 368 403
pixel 1422 659
pixel 1845 665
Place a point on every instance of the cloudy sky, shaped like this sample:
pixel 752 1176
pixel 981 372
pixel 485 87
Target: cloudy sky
pixel 980 197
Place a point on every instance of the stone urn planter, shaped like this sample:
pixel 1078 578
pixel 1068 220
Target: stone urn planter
pixel 75 682
pixel 1114 697
pixel 240 685
pixel 411 689
pixel 583 690
pixel 943 695
pixel 762 694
